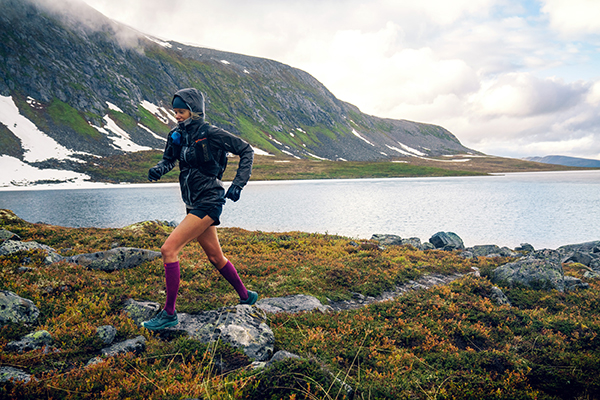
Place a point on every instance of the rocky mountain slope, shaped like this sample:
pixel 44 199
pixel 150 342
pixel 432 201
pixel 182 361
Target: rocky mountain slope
pixel 566 161
pixel 74 83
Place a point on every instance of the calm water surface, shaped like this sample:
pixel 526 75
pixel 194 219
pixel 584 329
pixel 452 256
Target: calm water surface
pixel 547 209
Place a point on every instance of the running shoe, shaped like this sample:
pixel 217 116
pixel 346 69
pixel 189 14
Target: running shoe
pixel 161 321
pixel 252 297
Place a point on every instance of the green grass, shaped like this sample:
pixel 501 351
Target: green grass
pixel 63 114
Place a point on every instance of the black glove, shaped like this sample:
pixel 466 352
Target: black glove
pixel 233 192
pixel 154 174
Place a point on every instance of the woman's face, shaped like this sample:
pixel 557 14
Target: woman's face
pixel 181 114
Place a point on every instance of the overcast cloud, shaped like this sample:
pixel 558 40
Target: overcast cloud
pixel 509 78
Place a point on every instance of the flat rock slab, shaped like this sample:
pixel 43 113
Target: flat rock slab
pixel 16 375
pixel 16 309
pixel 241 326
pixel 291 304
pixel 114 259
pixel 135 345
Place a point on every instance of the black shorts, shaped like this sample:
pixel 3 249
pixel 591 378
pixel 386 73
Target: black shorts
pixel 213 211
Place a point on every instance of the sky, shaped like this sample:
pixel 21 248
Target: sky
pixel 506 77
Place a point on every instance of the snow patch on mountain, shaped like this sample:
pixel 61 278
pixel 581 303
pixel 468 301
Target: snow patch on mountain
pixel 16 173
pixel 121 139
pixel 161 113
pixel 360 137
pixel 152 133
pixel 36 144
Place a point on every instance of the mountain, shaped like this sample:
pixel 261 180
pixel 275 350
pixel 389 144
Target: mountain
pixel 566 161
pixel 75 84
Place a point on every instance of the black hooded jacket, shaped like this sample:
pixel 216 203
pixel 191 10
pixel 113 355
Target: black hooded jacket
pixel 201 170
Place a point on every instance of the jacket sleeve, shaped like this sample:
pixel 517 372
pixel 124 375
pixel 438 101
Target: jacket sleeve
pixel 170 156
pixel 235 145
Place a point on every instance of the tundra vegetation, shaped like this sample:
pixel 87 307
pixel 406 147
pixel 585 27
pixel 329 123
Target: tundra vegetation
pixel 449 342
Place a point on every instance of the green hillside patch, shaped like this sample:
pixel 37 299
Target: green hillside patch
pixel 63 114
pixel 152 122
pixel 123 121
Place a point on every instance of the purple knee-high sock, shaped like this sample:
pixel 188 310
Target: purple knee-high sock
pixel 229 272
pixel 172 276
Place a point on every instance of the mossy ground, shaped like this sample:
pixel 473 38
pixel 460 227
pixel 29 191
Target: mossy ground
pixel 449 342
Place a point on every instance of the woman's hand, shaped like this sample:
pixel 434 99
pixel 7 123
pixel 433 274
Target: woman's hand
pixel 233 192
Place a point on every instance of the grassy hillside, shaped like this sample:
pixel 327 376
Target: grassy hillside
pixel 134 168
pixel 449 342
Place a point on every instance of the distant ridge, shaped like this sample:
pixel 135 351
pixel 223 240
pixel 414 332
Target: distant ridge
pixel 566 161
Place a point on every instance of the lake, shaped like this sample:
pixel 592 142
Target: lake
pixel 545 209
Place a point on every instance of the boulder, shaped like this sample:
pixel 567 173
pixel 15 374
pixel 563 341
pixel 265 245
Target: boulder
pixel 16 309
pixel 280 356
pixel 572 283
pixel 498 296
pixel 136 345
pixel 447 241
pixel 491 250
pixel 17 375
pixel 140 311
pixel 106 333
pixel 541 270
pixel 114 259
pixel 33 341
pixel 394 240
pixel 241 326
pixel 525 247
pixel 14 246
pixel 8 235
pixel 291 304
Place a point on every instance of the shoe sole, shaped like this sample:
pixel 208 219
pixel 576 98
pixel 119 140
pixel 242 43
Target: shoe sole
pixel 160 328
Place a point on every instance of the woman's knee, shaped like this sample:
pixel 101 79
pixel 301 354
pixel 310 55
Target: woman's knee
pixel 168 251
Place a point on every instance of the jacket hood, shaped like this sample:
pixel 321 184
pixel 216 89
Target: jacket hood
pixel 193 98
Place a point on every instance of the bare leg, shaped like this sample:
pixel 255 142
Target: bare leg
pixel 189 229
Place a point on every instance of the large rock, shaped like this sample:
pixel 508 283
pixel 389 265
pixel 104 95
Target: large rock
pixel 14 246
pixel 16 309
pixel 106 333
pixel 135 345
pixel 541 270
pixel 16 375
pixel 291 304
pixel 140 311
pixel 394 240
pixel 447 241
pixel 33 341
pixel 114 259
pixel 8 235
pixel 491 250
pixel 241 326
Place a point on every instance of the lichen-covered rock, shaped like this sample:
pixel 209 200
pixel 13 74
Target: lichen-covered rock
pixel 537 272
pixel 280 356
pixel 140 311
pixel 572 283
pixel 447 241
pixel 33 341
pixel 106 333
pixel 9 217
pixel 8 235
pixel 241 326
pixel 16 375
pixel 148 226
pixel 16 309
pixel 498 296
pixel 14 246
pixel 136 345
pixel 114 259
pixel 394 240
pixel 291 304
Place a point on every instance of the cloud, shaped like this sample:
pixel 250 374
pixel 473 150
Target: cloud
pixel 573 17
pixel 507 77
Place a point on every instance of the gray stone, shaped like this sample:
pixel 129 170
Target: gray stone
pixel 16 309
pixel 591 274
pixel 587 247
pixel 17 375
pixel 114 259
pixel 106 333
pixel 542 271
pixel 135 345
pixel 394 240
pixel 499 297
pixel 140 311
pixel 14 246
pixel 241 326
pixel 572 284
pixel 280 356
pixel 291 304
pixel 94 361
pixel 484 250
pixel 33 341
pixel 525 247
pixel 447 241
pixel 580 257
pixel 8 235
